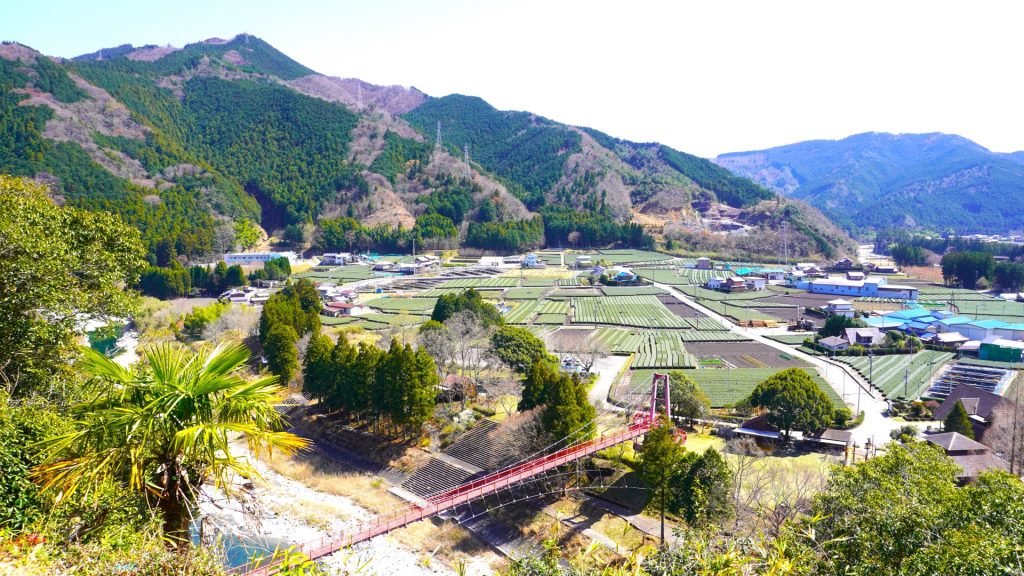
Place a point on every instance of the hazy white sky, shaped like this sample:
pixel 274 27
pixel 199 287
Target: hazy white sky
pixel 705 77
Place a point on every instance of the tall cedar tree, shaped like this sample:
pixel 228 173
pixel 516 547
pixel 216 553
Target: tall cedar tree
pixel 536 384
pixel 282 355
pixel 568 413
pixel 959 421
pixel 706 490
pixel 660 459
pixel 316 367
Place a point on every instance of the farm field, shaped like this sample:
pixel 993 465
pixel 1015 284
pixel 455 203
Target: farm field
pixel 725 387
pixel 702 294
pixel 738 313
pixel 664 276
pixel 524 293
pixel 349 273
pixel 745 354
pixel 400 304
pixel 523 312
pixel 617 257
pixel 640 311
pixel 662 350
pixel 632 290
pixel 889 371
pixel 790 339
pixel 500 282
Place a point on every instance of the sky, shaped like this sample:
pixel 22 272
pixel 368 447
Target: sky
pixel 704 77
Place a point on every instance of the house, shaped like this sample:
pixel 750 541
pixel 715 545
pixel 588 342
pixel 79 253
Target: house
pixel 843 264
pixel 532 261
pixel 409 268
pixel 624 277
pixel 249 258
pixel 1001 350
pixel 979 404
pixel 755 282
pixel 834 343
pixel 972 457
pixel 339 309
pixel 427 262
pixel 383 266
pixel 734 284
pixel 704 263
pixel 772 274
pixel 867 337
pixel 855 275
pixel 715 283
pixel 598 271
pixel 583 262
pixel 243 295
pixel 948 340
pixel 335 258
pixel 840 307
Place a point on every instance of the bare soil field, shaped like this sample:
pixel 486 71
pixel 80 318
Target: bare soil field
pixel 678 308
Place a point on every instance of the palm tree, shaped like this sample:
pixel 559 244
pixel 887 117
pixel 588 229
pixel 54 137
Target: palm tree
pixel 165 428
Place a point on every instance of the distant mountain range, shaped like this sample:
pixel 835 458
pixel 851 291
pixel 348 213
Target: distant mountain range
pixel 185 142
pixel 937 182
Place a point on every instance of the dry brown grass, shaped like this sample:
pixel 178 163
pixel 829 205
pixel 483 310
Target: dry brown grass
pixel 929 273
pixel 321 474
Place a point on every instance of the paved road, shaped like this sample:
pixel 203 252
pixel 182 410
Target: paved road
pixel 851 387
pixel 607 370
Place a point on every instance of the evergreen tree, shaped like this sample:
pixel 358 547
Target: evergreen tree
pixel 959 421
pixel 338 380
pixel 660 459
pixel 706 492
pixel 517 347
pixel 316 367
pixel 792 400
pixel 688 399
pixel 234 277
pixel 536 384
pixel 423 390
pixel 282 355
pixel 568 413
pixel 362 378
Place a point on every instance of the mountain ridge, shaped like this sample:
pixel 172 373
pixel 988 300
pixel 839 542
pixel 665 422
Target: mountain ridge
pixel 225 127
pixel 874 180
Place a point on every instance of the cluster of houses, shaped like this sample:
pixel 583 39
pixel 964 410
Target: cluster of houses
pixel 338 301
pixel 419 265
pixel 245 295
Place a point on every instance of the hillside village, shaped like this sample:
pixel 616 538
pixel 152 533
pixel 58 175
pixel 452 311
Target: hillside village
pixel 259 320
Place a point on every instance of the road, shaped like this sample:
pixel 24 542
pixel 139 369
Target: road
pixel 607 370
pixel 850 386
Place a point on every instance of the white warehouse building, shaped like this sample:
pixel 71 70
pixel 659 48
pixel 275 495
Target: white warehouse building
pixel 874 286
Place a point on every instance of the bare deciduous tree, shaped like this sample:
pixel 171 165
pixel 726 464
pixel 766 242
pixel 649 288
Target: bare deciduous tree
pixel 236 323
pixel 1006 435
pixel 587 351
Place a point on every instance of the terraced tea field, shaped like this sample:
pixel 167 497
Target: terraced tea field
pixel 662 350
pixel 500 282
pixel 640 311
pixel 727 387
pixel 523 312
pixel 423 306
pixel 889 371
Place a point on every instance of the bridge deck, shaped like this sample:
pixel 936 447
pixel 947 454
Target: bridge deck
pixel 467 492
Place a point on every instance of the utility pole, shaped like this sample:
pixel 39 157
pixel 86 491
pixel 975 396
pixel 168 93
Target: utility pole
pixel 906 377
pixel 1016 418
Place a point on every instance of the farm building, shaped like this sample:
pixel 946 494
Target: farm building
pixel 855 275
pixel 972 457
pixel 979 404
pixel 532 261
pixel 383 266
pixel 834 343
pixel 840 307
pixel 336 258
pixel 338 309
pixel 869 287
pixel 1001 350
pixel 715 283
pixel 866 337
pixel 704 263
pixel 248 258
pixel 755 282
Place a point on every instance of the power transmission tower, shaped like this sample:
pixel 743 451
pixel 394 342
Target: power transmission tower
pixel 437 141
pixel 465 158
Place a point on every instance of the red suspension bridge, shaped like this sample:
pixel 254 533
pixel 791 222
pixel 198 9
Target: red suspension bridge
pixel 477 488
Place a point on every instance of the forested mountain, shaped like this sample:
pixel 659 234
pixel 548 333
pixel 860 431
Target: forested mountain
pixel 868 181
pixel 192 145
